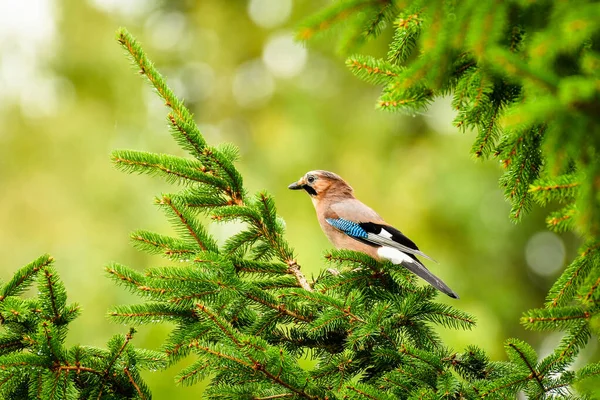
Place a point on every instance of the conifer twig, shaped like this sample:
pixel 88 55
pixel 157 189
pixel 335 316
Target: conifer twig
pixel 534 373
pixel 134 383
pixel 112 362
pixel 275 396
pixel 294 269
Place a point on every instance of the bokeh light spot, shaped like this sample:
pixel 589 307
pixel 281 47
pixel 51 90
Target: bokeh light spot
pixel 47 97
pixel 283 56
pixel 27 34
pixel 545 253
pixel 166 29
pixel 197 82
pixel 269 13
pixel 130 8
pixel 440 114
pixel 252 85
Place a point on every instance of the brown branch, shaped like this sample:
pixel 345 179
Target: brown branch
pixel 468 320
pixel 180 110
pixel 484 394
pixel 307 32
pixel 294 269
pixel 590 249
pixel 489 131
pixel 168 251
pixel 184 133
pixel 553 187
pixel 122 277
pixel 166 200
pixel 213 318
pixel 48 338
pixel 128 337
pixel 24 277
pixel 557 220
pixel 585 315
pixel 145 314
pixel 15 343
pixel 340 283
pixel 275 396
pixel 534 373
pixel 145 65
pixel 135 385
pixel 145 288
pixel 592 290
pixel 388 380
pixel 293 266
pixel 179 299
pixel 361 392
pixel 574 276
pixel 341 260
pixel 259 367
pixel 6 379
pixel 77 368
pixel 346 311
pixel 220 355
pixel 235 196
pixel 324 323
pixel 563 353
pixel 157 166
pixel 404 350
pixel 372 70
pixel 48 275
pixel 279 307
pixel 513 151
pixel 380 16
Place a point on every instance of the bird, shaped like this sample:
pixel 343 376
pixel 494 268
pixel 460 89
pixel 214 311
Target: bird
pixel 350 224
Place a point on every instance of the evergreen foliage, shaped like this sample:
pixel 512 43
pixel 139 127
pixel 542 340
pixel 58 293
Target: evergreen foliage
pixel 524 76
pixel 248 315
pixel 245 311
pixel 34 362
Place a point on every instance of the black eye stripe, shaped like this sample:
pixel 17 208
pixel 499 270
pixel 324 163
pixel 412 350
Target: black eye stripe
pixel 310 190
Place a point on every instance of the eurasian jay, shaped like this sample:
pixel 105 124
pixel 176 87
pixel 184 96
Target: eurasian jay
pixel 350 224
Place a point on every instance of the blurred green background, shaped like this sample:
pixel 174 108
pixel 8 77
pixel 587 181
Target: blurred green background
pixel 68 96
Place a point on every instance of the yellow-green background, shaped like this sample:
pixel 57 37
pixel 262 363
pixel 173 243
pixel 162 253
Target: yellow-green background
pixel 68 96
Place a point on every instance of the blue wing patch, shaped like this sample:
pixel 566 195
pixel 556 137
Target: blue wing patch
pixel 348 227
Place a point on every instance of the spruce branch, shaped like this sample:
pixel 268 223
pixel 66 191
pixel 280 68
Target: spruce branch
pixel 573 277
pixel 526 355
pixel 215 170
pixel 24 276
pixel 568 349
pixel 294 269
pixel 50 285
pixel 331 16
pixel 160 244
pixel 182 120
pixel 563 220
pixel 34 360
pixel 508 78
pixel 114 359
pixel 556 318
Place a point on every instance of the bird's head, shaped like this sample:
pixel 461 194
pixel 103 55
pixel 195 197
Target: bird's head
pixel 319 184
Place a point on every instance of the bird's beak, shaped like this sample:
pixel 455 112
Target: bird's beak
pixel 295 186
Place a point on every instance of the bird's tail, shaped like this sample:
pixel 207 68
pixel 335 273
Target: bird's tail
pixel 419 269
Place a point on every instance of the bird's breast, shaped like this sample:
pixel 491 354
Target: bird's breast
pixel 342 241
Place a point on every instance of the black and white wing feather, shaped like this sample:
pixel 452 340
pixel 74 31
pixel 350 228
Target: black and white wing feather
pixel 392 245
pixel 385 235
pixel 377 234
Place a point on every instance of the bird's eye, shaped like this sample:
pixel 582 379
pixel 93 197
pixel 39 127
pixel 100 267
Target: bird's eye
pixel 310 179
